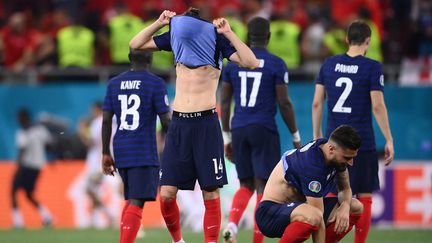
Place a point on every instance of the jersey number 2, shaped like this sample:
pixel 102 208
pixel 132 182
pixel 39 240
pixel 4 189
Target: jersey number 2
pixel 348 87
pixel 255 87
pixel 129 106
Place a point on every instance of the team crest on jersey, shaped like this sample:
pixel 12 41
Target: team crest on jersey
pixel 315 186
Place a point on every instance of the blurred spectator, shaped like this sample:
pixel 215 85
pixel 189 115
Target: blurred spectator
pixel 18 43
pixel 120 29
pixel 334 39
pixel 76 46
pixel 257 8
pixel 285 40
pixel 31 140
pixel 312 46
pixel 425 27
pixel 374 51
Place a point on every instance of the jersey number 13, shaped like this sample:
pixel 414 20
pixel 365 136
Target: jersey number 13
pixel 129 106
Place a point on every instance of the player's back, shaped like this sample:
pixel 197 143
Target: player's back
pixel 306 170
pixel 348 82
pixel 255 90
pixel 132 96
pixel 33 141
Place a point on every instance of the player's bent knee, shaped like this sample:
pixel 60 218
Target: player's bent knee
pixel 307 214
pixel 356 206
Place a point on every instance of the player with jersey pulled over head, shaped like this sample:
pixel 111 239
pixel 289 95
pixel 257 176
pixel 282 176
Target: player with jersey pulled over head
pixel 255 145
pixel 194 147
pixel 353 85
pixel 135 97
pixel 294 205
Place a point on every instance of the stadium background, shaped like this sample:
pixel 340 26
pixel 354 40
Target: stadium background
pixel 60 96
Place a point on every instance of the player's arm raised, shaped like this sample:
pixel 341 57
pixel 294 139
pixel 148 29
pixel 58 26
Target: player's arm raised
pixel 144 40
pixel 243 56
pixel 380 112
pixel 226 96
pixel 287 112
pixel 317 110
pixel 108 166
pixel 319 235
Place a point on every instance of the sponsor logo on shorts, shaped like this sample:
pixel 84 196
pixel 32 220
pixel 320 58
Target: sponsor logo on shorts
pixel 218 177
pixel 315 186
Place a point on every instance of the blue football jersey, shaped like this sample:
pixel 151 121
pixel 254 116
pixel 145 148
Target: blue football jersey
pixel 306 170
pixel 136 97
pixel 348 82
pixel 255 90
pixel 194 42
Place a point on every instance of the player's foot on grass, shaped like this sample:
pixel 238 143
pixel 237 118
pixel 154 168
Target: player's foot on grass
pixel 47 223
pixel 229 236
pixel 180 241
pixel 141 233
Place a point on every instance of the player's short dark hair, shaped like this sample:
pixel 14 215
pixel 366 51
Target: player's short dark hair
pixel 139 56
pixel 194 12
pixel 346 136
pixel 24 116
pixel 98 104
pixel 258 29
pixel 358 32
pixel 23 112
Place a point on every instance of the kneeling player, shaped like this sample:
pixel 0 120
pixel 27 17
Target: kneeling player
pixel 293 205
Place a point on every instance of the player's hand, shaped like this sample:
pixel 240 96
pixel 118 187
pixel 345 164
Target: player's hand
pixel 342 218
pixel 297 145
pixel 166 16
pixel 228 152
pixel 108 167
pixel 389 152
pixel 222 25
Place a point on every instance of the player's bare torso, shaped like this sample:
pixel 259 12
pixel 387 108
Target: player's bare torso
pixel 195 88
pixel 278 190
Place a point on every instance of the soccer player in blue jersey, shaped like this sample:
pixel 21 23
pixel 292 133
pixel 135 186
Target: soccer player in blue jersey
pixel 256 93
pixel 294 205
pixel 135 97
pixel 353 85
pixel 194 146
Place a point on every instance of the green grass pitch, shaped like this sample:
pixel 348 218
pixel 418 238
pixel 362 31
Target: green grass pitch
pixel 161 235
